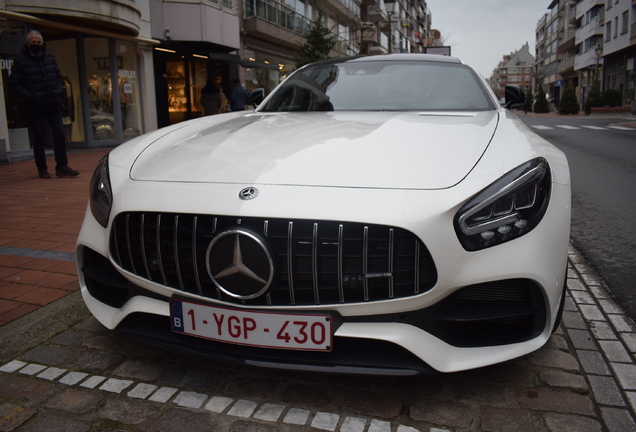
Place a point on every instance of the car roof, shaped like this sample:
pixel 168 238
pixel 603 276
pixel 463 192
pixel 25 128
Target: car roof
pixel 391 58
pixel 409 57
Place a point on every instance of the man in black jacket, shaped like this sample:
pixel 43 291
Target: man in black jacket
pixel 36 78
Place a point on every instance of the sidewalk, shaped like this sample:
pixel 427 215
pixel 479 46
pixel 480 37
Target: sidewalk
pixel 617 120
pixel 39 223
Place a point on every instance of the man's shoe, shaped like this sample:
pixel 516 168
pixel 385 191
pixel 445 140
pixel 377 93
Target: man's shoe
pixel 44 174
pixel 66 172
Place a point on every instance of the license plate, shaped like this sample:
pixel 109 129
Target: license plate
pixel 260 329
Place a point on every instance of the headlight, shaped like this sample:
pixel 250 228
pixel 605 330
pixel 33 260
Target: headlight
pixel 101 195
pixel 509 208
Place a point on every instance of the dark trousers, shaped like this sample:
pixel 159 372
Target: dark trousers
pixel 37 118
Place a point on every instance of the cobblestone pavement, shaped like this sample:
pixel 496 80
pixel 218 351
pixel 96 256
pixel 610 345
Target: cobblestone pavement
pixel 60 370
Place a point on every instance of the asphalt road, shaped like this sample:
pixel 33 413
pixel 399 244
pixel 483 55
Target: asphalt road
pixel 603 169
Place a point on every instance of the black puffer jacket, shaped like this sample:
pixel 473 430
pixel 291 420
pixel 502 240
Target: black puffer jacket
pixel 37 80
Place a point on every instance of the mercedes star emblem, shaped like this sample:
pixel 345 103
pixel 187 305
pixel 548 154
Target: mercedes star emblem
pixel 248 193
pixel 240 264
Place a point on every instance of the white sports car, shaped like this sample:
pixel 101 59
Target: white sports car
pixel 373 215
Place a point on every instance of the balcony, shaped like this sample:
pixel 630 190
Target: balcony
pixel 275 22
pixel 593 28
pixel 585 60
pixel 586 5
pixel 346 8
pixel 111 15
pixel 211 17
pixel 279 24
pixel 376 14
pixel 566 65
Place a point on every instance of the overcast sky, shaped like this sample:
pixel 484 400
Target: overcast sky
pixel 481 32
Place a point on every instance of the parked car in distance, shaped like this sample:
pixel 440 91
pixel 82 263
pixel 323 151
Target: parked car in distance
pixel 373 215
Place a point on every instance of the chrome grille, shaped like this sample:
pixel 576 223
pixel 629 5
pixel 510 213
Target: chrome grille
pixel 317 262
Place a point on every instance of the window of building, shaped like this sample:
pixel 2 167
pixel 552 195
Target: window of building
pixel 100 89
pixel 128 86
pixel 300 7
pixel 310 10
pixel 12 39
pixel 608 30
pixel 625 26
pixel 512 70
pixel 615 27
pixel 65 53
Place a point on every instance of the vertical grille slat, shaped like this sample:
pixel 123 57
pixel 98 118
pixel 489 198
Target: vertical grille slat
pixel 391 258
pixel 175 240
pixel 365 262
pixel 159 254
pixel 128 243
pixel 340 263
pixel 314 263
pixel 290 262
pixel 195 259
pixel 317 262
pixel 143 246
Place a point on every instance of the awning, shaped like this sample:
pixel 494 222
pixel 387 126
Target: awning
pixel 237 59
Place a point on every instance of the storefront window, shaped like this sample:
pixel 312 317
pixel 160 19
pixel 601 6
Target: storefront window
pixel 100 88
pixel 128 86
pixel 11 42
pixel 66 54
pixel 177 98
pixel 199 79
pixel 266 78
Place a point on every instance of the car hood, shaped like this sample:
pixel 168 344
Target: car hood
pixel 358 150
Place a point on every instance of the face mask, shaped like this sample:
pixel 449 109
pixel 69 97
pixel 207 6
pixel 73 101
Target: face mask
pixel 36 48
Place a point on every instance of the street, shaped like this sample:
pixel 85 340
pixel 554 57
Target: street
pixel 603 168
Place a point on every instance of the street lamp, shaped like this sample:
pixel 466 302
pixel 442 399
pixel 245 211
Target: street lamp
pixel 599 51
pixel 390 9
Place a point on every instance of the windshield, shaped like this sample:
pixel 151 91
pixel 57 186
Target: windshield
pixel 381 86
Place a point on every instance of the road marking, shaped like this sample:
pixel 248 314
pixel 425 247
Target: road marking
pixel 621 128
pixel 594 127
pixel 567 127
pixel 541 127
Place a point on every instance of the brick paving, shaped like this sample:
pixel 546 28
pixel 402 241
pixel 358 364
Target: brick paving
pixel 39 223
pixel 77 376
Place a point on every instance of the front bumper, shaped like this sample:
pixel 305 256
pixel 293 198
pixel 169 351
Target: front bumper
pixel 372 335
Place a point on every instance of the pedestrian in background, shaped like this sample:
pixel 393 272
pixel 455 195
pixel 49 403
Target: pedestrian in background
pixel 238 96
pixel 36 78
pixel 211 99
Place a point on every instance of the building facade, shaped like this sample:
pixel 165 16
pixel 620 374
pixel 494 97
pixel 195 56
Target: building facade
pixel 601 54
pixel 516 68
pixel 619 49
pixel 107 65
pixel 395 26
pixel 550 37
pixel 590 21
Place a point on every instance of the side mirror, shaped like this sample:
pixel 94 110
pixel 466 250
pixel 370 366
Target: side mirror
pixel 515 96
pixel 255 97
